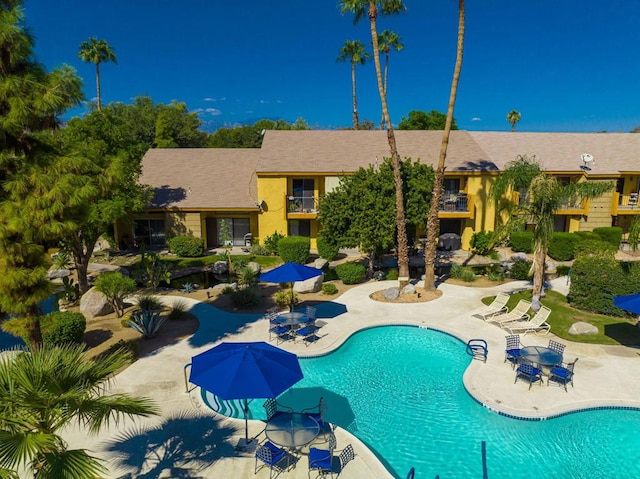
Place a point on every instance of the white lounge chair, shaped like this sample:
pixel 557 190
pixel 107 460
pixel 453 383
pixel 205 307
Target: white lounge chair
pixel 534 325
pixel 519 313
pixel 498 305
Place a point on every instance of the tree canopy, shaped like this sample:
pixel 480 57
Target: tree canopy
pixel 250 136
pixel 420 120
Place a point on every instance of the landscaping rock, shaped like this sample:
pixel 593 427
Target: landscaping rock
pixel 409 289
pixel 312 285
pixel 582 328
pixel 221 286
pixel 58 273
pixel 255 267
pixel 220 267
pixel 379 275
pixel 93 304
pixel 321 263
pixel 550 266
pixel 391 294
pixel 519 257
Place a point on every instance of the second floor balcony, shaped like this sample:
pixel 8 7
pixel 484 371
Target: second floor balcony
pixel 625 204
pixel 301 206
pixel 458 205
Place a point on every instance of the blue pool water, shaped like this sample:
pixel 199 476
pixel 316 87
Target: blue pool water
pixel 399 390
pixel 8 341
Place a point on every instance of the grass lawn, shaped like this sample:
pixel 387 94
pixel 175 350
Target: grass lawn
pixel 611 330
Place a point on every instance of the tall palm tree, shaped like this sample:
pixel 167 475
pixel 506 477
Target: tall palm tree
pixel 97 51
pixel 354 52
pixel 388 40
pixel 513 117
pixel 370 9
pixel 51 388
pixel 544 195
pixel 433 226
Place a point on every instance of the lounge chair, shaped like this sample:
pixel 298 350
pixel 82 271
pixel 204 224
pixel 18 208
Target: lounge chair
pixel 528 372
pixel 534 325
pixel 519 313
pixel 498 305
pixel 271 455
pixel 562 374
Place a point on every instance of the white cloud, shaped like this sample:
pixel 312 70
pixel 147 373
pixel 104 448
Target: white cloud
pixel 476 118
pixel 209 111
pixel 263 102
pixel 209 99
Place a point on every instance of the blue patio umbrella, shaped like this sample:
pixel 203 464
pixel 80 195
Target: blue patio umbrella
pixel 290 273
pixel 629 302
pixel 245 371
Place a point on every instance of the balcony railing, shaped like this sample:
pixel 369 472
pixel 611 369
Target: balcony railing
pixel 569 207
pixel 625 204
pixel 456 205
pixel 302 205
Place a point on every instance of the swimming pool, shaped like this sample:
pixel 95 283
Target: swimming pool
pixel 399 390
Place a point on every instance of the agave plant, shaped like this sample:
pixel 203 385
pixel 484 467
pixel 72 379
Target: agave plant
pixel 147 322
pixel 188 288
pixel 148 302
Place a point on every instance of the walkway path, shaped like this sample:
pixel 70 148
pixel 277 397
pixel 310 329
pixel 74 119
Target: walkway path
pixel 189 440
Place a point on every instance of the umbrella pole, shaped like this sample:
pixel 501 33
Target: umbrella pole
pixel 246 421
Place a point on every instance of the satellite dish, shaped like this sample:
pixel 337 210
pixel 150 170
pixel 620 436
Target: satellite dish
pixel 587 158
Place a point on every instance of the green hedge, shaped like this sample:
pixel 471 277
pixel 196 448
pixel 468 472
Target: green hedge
pixel 63 327
pixel 587 235
pixel 520 270
pixel 562 246
pixel 186 246
pixel 596 280
pixel 595 248
pixel 481 242
pixel 611 234
pixel 271 243
pixel 351 273
pixel 294 249
pixel 521 241
pixel 326 249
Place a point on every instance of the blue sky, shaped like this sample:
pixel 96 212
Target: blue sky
pixel 566 66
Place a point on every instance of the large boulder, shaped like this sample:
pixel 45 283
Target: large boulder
pixel 311 285
pixel 409 289
pixel 220 267
pixel 581 328
pixel 391 294
pixel 93 303
pixel 321 263
pixel 220 287
pixel 255 267
pixel 58 273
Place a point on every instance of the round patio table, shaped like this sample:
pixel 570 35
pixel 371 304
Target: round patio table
pixel 293 318
pixel 540 355
pixel 292 429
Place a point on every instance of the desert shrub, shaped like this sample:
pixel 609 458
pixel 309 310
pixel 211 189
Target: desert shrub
pixel 186 246
pixel 392 274
pixel 285 297
pixel 610 234
pixel 271 243
pixel 228 290
pixel 326 249
pixel 562 270
pixel 481 242
pixel 124 320
pixel 596 280
pixel 495 276
pixel 562 246
pixel 521 241
pixel 455 271
pixel 467 274
pixel 520 270
pixel 246 298
pixel 246 277
pixel 294 249
pixel 595 248
pixel 147 322
pixel 259 250
pixel 63 327
pixel 115 287
pixel 149 302
pixel 330 275
pixel 494 255
pixel 329 288
pixel 179 309
pixel 351 273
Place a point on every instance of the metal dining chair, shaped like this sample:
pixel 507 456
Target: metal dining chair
pixel 528 372
pixel 562 374
pixel 556 346
pixel 513 349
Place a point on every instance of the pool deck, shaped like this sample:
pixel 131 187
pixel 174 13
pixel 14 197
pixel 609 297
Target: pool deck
pixel 189 440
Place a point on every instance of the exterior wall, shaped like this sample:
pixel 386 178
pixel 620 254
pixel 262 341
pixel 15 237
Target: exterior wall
pixel 484 208
pixel 599 213
pixel 179 223
pixel 274 213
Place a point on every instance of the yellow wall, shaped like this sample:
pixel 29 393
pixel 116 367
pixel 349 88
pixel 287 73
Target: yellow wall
pixel 484 209
pixel 180 223
pixel 274 213
pixel 599 213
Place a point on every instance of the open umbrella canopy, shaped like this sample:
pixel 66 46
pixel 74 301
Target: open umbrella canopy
pixel 629 302
pixel 289 273
pixel 245 370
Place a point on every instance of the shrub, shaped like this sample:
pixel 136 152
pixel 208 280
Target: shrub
pixel 115 287
pixel 326 249
pixel 271 243
pixel 124 320
pixel 521 241
pixel 329 288
pixel 246 298
pixel 495 276
pixel 392 274
pixel 228 290
pixel 596 280
pixel 587 235
pixel 186 246
pixel 149 302
pixel 610 234
pixel 147 322
pixel 246 277
pixel 330 274
pixel 455 271
pixel 520 270
pixel 562 270
pixel 562 246
pixel 178 309
pixel 259 250
pixel 595 248
pixel 294 249
pixel 481 242
pixel 63 327
pixel 351 273
pixel 467 275
pixel 285 297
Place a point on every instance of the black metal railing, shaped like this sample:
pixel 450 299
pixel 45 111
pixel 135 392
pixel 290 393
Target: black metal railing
pixel 302 204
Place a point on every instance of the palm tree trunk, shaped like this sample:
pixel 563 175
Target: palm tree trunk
pixel 386 80
pixel 433 225
pixel 355 98
pixel 539 257
pixel 32 326
pixel 401 228
pixel 98 84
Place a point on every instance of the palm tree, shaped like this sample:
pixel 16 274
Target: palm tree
pixel 433 226
pixel 513 117
pixel 388 40
pixel 51 388
pixel 369 8
pixel 354 52
pixel 544 195
pixel 97 51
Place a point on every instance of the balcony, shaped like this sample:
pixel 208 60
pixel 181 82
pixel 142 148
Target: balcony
pixel 456 206
pixel 569 207
pixel 624 204
pixel 301 207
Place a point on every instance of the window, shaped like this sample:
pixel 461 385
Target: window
pixel 451 186
pixel 300 228
pixel 237 228
pixel 149 232
pixel 303 191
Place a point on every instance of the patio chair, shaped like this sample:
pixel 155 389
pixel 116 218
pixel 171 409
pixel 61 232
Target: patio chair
pixel 512 351
pixel 271 455
pixel 321 460
pixel 518 313
pixel 535 325
pixel 307 334
pixel 562 374
pixel 319 412
pixel 498 305
pixel 273 408
pixel 556 346
pixel 529 372
pixel 311 313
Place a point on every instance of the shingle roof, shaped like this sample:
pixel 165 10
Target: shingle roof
pixel 201 177
pixel 325 151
